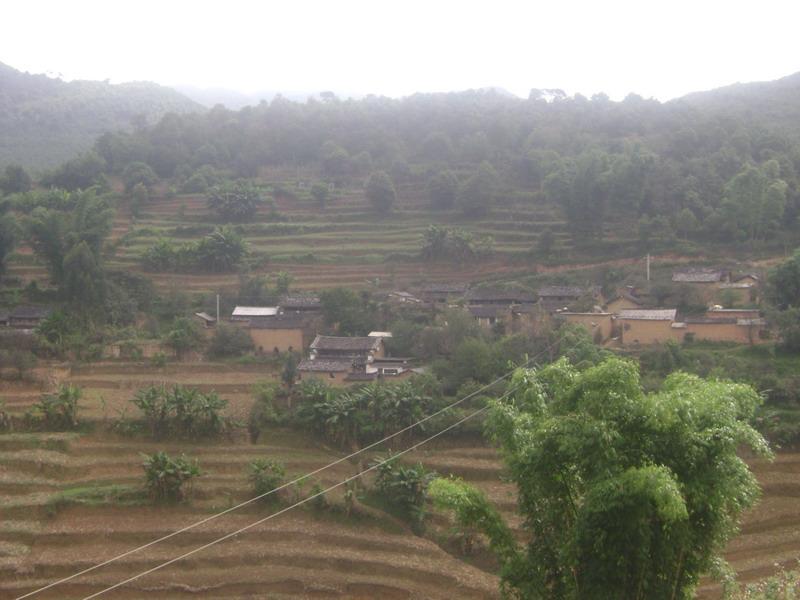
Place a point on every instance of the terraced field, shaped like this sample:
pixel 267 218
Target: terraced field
pixel 302 554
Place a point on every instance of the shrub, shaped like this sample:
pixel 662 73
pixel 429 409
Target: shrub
pixel 230 340
pixel 59 411
pixel 405 487
pixel 181 411
pixel 266 475
pixel 166 477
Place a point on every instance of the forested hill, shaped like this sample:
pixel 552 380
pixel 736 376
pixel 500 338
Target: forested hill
pixel 772 103
pixel 45 121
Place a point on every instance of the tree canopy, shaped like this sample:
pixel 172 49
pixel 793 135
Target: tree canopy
pixel 625 495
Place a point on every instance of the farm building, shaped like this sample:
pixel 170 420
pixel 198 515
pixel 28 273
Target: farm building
pixel 557 297
pixel 27 317
pixel 646 325
pixel 702 276
pixel 245 313
pixel 206 319
pixel 592 322
pixel 495 297
pixel 442 292
pixel 300 303
pixel 281 333
pixel 740 331
pixel 626 299
pixel 489 316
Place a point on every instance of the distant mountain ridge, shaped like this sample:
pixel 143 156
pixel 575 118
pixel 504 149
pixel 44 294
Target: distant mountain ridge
pixel 45 121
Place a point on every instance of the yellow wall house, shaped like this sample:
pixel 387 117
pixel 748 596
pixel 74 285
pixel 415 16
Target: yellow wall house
pixel 592 322
pixel 281 333
pixel 647 326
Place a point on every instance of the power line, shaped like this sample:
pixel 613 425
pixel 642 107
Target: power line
pixel 290 507
pixel 288 484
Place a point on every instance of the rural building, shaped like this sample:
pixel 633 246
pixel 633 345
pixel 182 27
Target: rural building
pixel 701 276
pixel 300 303
pixel 281 333
pixel 718 312
pixel 336 347
pixel 27 317
pixel 496 297
pixel 626 299
pixel 245 313
pixel 592 322
pixel 442 292
pixel 400 297
pixel 333 370
pixel 489 316
pixel 558 297
pixel 646 325
pixel 206 319
pixel 740 331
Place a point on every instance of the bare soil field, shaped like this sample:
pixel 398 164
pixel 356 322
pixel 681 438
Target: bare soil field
pixel 302 554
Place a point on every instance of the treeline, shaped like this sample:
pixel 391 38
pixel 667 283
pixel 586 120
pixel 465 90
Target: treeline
pixel 681 169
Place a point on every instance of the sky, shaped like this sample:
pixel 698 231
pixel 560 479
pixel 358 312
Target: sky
pixel 655 48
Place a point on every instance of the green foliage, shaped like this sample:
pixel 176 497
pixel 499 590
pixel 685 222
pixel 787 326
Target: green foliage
pixel 783 586
pixel 473 514
pixel 184 335
pixel 380 192
pixel 59 411
pixel 138 173
pixel 234 201
pixel 79 173
pixel 404 486
pixel 167 478
pixel 14 180
pixel 443 190
pixel 320 193
pixel 218 252
pixel 230 340
pixel 616 487
pixel 350 313
pixel 454 244
pixel 783 283
pixel 755 200
pixel 9 234
pixel 266 475
pixel 479 193
pixel 181 411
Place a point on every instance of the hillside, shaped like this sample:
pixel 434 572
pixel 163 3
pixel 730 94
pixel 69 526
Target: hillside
pixel 45 121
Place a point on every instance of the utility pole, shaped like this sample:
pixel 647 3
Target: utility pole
pixel 218 307
pixel 648 271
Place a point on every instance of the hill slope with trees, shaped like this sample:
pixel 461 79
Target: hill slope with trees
pixel 45 121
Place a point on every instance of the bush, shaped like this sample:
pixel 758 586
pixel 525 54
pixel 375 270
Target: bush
pixel 59 411
pixel 166 477
pixel 181 411
pixel 263 411
pixel 230 340
pixel 266 475
pixel 404 487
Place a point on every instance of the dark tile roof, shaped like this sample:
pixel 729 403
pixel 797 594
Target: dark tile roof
pixel 345 344
pixel 359 376
pixel 648 314
pixel 325 365
pixel 709 321
pixel 497 295
pixel 30 312
pixel 484 312
pixel 278 322
pixel 444 288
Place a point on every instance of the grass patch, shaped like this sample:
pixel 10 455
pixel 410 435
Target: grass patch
pixel 96 495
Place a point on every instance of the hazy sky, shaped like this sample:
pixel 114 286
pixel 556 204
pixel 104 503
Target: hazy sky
pixel 655 48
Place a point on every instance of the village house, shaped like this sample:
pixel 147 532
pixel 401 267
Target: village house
pixel 499 297
pixel 245 313
pixel 740 331
pixel 206 319
pixel 626 299
pixel 489 316
pixel 438 293
pixel 27 317
pixel 400 297
pixel 740 290
pixel 560 297
pixel 646 325
pixel 335 357
pixel 300 303
pixel 600 325
pixel 281 333
pixel 700 276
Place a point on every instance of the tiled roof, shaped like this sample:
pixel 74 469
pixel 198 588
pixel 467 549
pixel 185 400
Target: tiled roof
pixel 484 312
pixel 325 365
pixel 710 321
pixel 444 288
pixel 565 291
pixel 645 314
pixel 254 311
pixel 205 317
pixel 30 312
pixel 495 295
pixel 697 276
pixel 352 344
pixel 291 301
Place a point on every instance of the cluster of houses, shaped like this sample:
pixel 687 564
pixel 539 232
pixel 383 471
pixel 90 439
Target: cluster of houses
pixel 24 316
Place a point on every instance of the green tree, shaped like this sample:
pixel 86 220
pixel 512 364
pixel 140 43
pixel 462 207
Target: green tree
pixel 220 251
pixel 783 283
pixel 479 193
pixel 234 201
pixel 320 193
pixel 59 411
pixel 139 197
pixel 625 495
pixel 80 173
pixel 184 335
pixel 265 476
pixel 350 313
pixel 15 180
pixel 230 340
pixel 380 192
pixel 686 223
pixel 755 199
pixel 136 173
pixel 83 279
pixel 283 281
pixel 546 242
pixel 443 190
pixel 9 234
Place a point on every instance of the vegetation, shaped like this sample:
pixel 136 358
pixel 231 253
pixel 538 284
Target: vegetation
pixel 404 487
pixel 595 458
pixel 168 479
pixel 59 411
pixel 265 476
pixel 234 201
pixel 229 340
pixel 181 411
